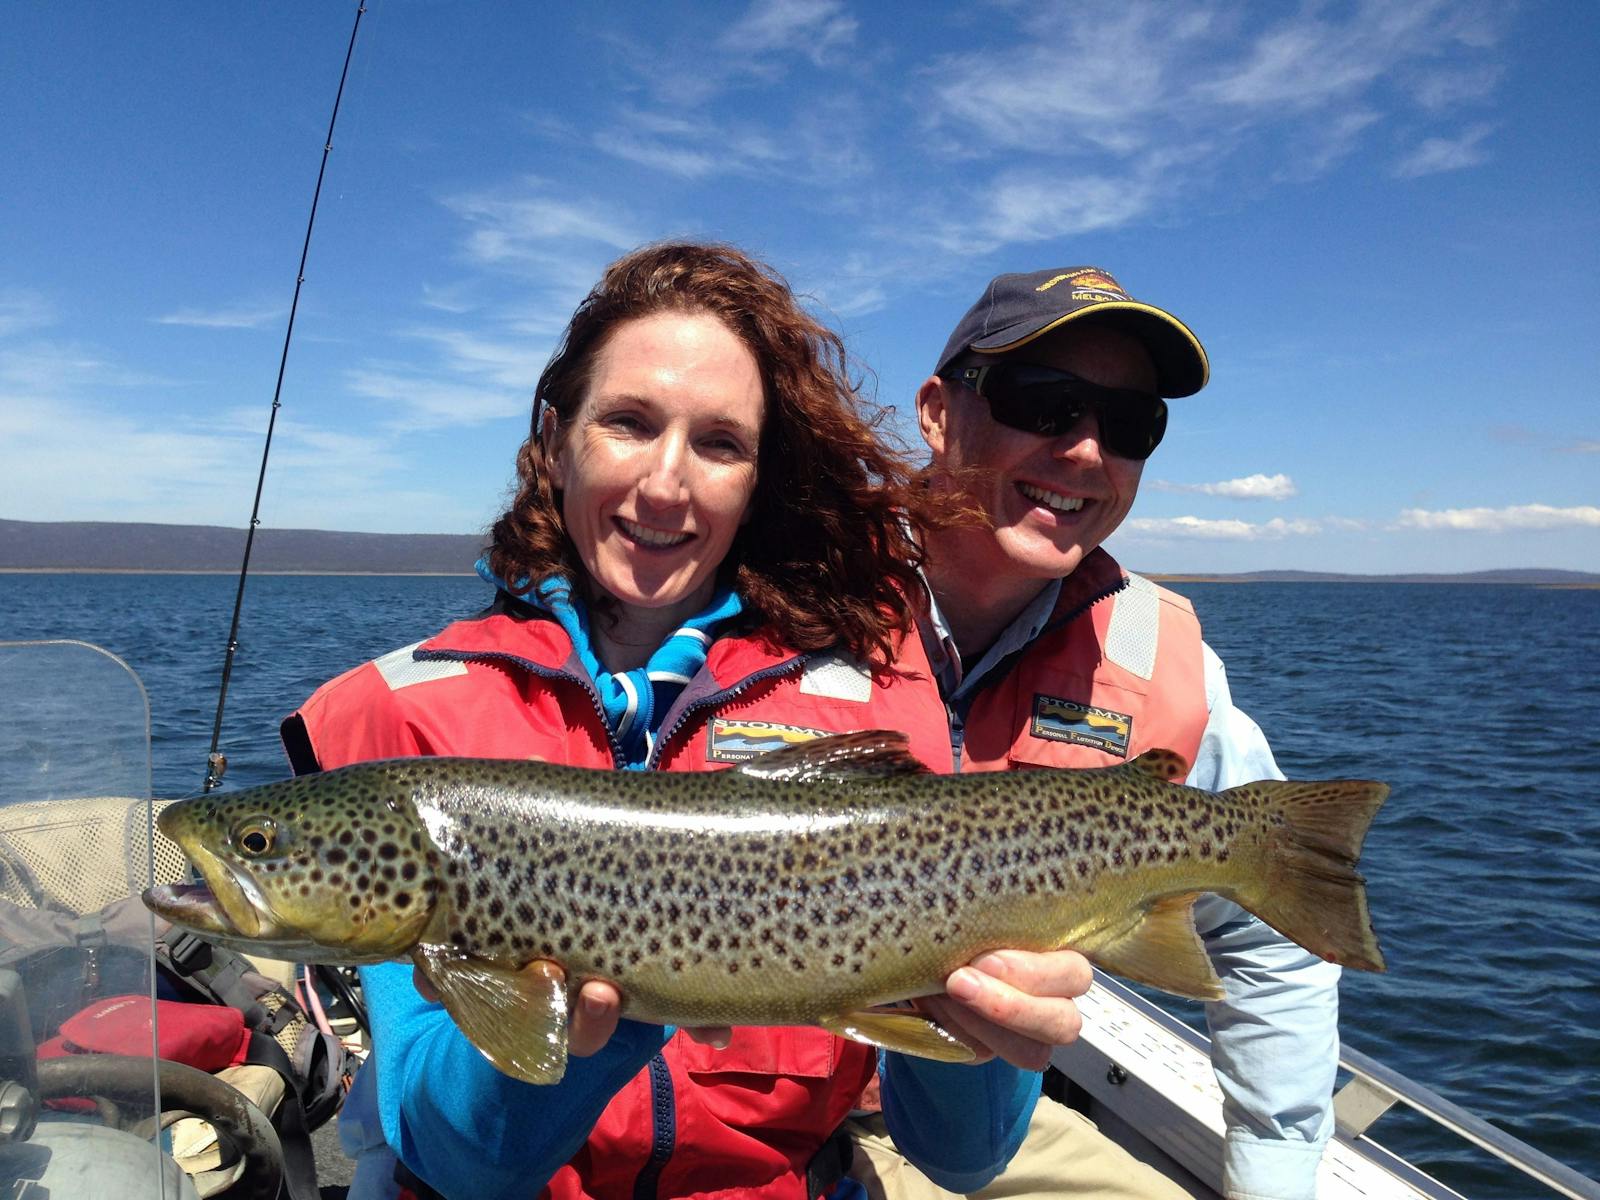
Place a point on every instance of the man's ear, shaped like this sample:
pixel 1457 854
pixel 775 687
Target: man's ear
pixel 933 413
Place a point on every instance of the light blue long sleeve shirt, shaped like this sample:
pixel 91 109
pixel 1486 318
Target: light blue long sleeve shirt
pixel 1275 1040
pixel 1275 1034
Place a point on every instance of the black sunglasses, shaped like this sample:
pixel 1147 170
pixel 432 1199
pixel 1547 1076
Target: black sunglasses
pixel 1048 402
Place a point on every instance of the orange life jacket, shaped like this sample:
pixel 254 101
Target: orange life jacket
pixel 1117 670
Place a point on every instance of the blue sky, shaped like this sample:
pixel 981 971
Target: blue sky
pixel 1379 217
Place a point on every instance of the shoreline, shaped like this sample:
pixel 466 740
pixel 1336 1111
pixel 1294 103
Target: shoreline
pixel 1156 577
pixel 230 572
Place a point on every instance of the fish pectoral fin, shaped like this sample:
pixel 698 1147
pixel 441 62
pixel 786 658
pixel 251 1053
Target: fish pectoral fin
pixel 1163 950
pixel 907 1032
pixel 840 758
pixel 516 1016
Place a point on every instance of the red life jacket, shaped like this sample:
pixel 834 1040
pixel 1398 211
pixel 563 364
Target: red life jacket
pixel 1116 671
pixel 744 1121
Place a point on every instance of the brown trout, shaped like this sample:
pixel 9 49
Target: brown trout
pixel 808 886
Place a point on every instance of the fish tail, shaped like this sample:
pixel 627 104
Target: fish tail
pixel 1309 889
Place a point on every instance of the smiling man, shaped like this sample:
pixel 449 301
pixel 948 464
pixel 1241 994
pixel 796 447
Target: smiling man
pixel 1044 406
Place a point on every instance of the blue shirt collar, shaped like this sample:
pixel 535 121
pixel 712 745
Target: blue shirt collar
pixel 955 679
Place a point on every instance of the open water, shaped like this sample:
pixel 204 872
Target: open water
pixel 1478 704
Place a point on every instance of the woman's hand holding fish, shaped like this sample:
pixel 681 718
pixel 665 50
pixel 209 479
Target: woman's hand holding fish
pixel 1014 1005
pixel 593 1018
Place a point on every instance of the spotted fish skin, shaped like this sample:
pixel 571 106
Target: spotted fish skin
pixel 716 898
pixel 808 884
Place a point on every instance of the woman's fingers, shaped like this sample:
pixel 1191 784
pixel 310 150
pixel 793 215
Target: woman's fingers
pixel 715 1036
pixel 424 988
pixel 592 1021
pixel 594 1018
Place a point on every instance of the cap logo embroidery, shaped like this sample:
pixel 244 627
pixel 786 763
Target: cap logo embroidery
pixel 739 741
pixel 1096 280
pixel 1058 720
pixel 1048 284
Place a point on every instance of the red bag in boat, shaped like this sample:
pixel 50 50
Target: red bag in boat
pixel 207 1036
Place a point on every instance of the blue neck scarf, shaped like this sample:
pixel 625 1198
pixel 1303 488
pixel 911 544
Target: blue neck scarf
pixel 634 701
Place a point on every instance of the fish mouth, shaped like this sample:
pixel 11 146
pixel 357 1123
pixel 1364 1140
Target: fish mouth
pixel 228 903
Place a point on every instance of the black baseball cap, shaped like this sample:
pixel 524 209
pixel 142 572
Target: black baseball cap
pixel 1016 309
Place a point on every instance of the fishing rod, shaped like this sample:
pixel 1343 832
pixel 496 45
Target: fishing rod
pixel 216 761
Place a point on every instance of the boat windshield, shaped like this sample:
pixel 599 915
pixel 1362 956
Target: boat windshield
pixel 79 1081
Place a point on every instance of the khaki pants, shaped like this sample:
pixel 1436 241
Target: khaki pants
pixel 1063 1155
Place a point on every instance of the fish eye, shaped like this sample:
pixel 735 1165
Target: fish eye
pixel 256 838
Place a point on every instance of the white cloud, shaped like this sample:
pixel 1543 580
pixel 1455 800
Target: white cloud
pixel 67 457
pixel 1438 154
pixel 414 401
pixel 1023 207
pixel 519 226
pixel 819 145
pixel 1447 87
pixel 689 149
pixel 1519 517
pixel 1319 146
pixel 1200 529
pixel 866 298
pixel 1583 447
pixel 1298 65
pixel 514 363
pixel 813 28
pixel 43 368
pixel 1250 487
pixel 1140 108
pixel 22 311
pixel 237 316
pixel 1309 59
pixel 683 161
pixel 453 298
pixel 123 465
pixel 1081 75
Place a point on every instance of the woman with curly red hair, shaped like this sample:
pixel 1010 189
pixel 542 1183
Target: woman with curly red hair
pixel 710 553
pixel 823 554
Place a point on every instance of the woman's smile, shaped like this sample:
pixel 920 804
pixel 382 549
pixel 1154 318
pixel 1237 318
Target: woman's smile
pixel 655 539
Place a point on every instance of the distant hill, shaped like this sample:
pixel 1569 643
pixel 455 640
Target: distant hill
pixel 128 546
pixel 1522 575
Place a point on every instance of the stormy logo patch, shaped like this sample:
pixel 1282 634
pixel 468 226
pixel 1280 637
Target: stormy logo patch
pixel 740 741
pixel 1058 720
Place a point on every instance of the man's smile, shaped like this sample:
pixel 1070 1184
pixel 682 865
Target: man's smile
pixel 1054 501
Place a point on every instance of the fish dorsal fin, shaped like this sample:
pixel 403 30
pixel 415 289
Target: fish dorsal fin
pixel 839 758
pixel 1160 764
pixel 1160 949
pixel 516 1016
pixel 902 1030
